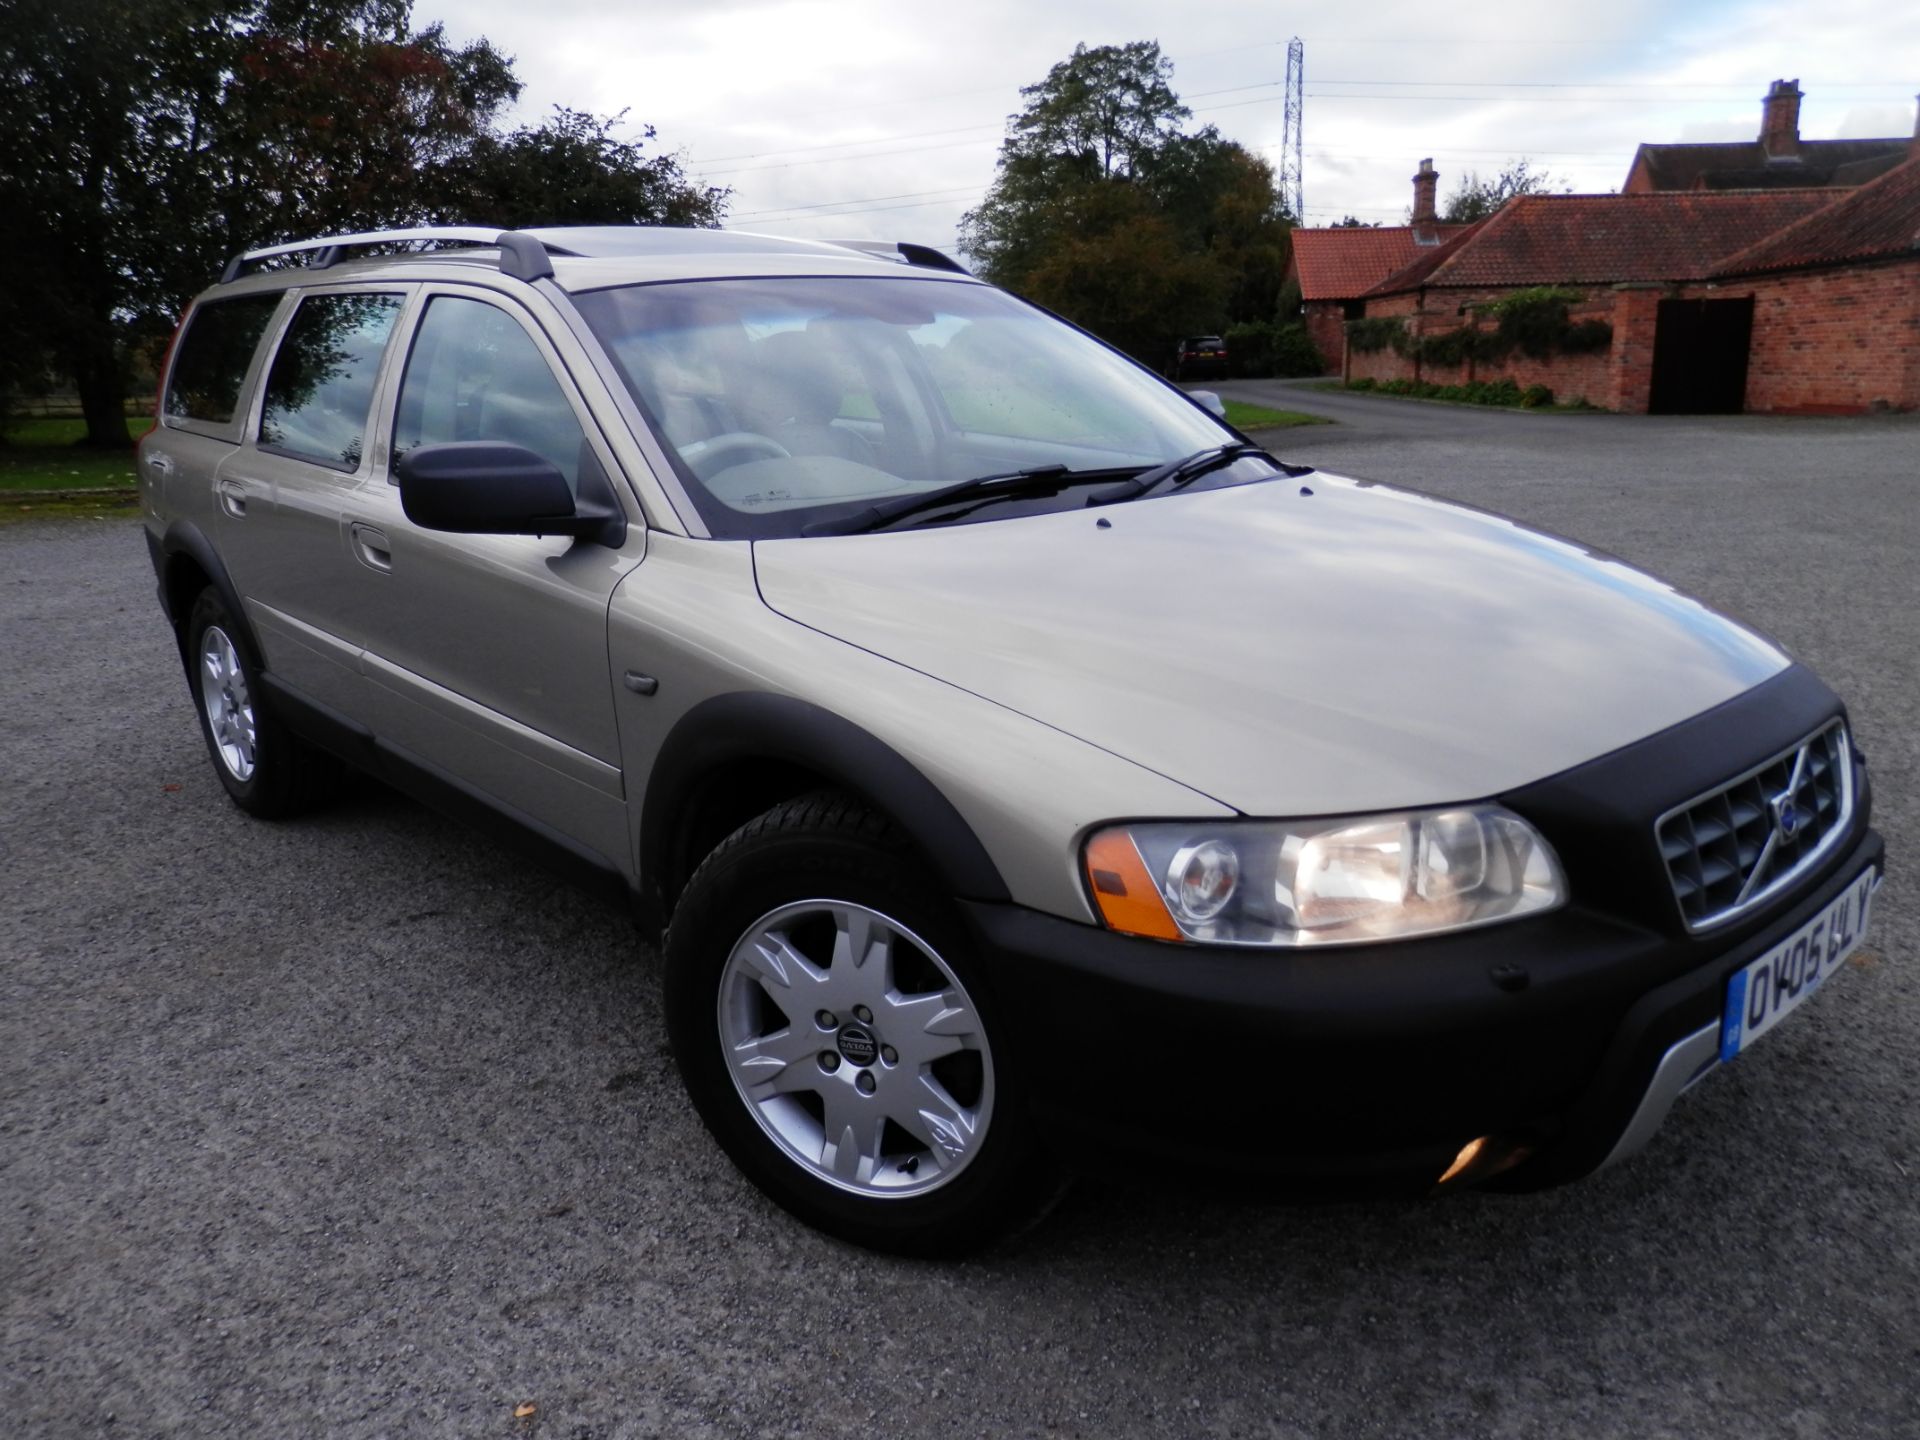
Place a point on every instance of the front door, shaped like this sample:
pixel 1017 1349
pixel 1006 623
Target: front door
pixel 486 655
pixel 1700 350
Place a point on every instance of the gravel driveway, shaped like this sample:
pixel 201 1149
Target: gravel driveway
pixel 358 1126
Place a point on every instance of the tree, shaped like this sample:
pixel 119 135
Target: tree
pixel 1108 108
pixel 167 135
pixel 572 170
pixel 1106 209
pixel 1475 198
pixel 1123 270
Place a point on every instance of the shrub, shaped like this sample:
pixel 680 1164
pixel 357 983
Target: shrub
pixel 1260 350
pixel 1456 346
pixel 1373 333
pixel 1584 336
pixel 1534 321
pixel 1473 392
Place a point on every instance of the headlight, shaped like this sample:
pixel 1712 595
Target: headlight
pixel 1322 882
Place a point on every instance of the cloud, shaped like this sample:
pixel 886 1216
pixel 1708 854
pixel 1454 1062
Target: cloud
pixel 869 118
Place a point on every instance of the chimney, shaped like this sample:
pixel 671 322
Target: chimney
pixel 1424 185
pixel 1780 121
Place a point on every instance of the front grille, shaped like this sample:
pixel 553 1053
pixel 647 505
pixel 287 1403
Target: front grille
pixel 1736 847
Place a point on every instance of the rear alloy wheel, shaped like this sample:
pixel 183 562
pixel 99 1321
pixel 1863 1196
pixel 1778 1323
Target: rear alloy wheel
pixel 267 769
pixel 838 1037
pixel 226 703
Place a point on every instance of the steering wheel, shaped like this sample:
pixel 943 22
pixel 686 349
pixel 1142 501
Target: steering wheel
pixel 736 447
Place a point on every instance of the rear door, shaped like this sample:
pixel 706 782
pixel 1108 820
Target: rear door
pixel 286 489
pixel 486 655
pixel 203 414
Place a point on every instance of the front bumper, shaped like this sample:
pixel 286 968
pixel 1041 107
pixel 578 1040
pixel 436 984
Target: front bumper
pixel 1365 1067
pixel 1373 1066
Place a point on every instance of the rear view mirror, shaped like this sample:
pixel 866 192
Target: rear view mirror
pixel 1209 402
pixel 486 487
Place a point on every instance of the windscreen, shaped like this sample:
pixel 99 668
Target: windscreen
pixel 791 399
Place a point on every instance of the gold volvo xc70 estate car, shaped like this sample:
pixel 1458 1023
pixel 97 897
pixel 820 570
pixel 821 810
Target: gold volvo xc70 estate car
pixel 1026 772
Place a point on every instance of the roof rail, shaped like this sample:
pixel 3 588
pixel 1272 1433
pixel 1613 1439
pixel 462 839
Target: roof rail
pixel 521 255
pixel 907 252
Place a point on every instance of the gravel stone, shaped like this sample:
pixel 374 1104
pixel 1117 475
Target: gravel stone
pixel 358 1126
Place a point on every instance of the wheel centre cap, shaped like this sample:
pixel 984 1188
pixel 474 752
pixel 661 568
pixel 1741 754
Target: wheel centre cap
pixel 857 1045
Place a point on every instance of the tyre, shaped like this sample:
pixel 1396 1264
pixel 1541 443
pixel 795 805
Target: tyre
pixel 838 1037
pixel 268 770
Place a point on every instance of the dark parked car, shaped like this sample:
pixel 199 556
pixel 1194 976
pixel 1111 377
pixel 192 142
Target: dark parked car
pixel 1201 357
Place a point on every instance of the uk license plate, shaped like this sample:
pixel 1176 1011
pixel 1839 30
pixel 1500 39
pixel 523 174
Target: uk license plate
pixel 1771 988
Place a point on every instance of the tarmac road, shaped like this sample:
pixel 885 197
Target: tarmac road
pixel 359 1127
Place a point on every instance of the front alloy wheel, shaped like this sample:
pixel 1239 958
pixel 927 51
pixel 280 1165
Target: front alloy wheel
pixel 838 1035
pixel 856 1048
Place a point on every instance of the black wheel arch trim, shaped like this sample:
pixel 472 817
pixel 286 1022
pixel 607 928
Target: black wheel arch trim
pixel 748 727
pixel 184 538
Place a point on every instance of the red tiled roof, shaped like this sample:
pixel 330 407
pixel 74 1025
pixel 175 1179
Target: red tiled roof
pixel 1606 239
pixel 1415 275
pixel 1743 164
pixel 1879 219
pixel 1344 262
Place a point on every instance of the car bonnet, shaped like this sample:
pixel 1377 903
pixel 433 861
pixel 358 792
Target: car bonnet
pixel 1288 647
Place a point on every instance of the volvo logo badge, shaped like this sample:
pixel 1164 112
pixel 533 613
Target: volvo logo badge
pixel 858 1045
pixel 1787 818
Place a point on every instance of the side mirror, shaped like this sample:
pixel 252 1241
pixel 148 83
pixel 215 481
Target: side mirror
pixel 1209 402
pixel 487 487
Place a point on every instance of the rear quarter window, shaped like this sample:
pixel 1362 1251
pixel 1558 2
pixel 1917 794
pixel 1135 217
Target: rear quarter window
pixel 210 362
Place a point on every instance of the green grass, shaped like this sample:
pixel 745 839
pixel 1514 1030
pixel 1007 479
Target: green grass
pixel 1243 416
pixel 41 454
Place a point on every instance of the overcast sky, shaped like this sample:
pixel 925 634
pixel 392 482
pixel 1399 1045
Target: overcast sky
pixel 850 118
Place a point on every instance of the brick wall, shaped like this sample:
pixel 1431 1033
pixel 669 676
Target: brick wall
pixel 1835 341
pixel 1838 341
pixel 1325 321
pixel 1382 364
pixel 1636 317
pixel 1588 376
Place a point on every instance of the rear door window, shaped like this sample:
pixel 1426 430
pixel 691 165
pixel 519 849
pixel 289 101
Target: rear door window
pixel 211 360
pixel 320 390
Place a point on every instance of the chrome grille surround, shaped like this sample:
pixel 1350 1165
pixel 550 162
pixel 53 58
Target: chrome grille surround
pixel 1728 851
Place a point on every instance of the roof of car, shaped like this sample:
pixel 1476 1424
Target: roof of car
pixel 587 257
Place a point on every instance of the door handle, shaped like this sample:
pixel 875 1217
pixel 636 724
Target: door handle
pixel 161 464
pixel 233 498
pixel 372 546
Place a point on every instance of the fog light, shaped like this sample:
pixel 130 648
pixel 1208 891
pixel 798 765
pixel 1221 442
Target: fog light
pixel 1469 1153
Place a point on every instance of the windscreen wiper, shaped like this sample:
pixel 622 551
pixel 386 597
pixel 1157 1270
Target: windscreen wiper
pixel 1186 470
pixel 1013 482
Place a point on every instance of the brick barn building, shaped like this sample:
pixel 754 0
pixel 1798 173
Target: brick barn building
pixel 1778 158
pixel 1334 267
pixel 1704 288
